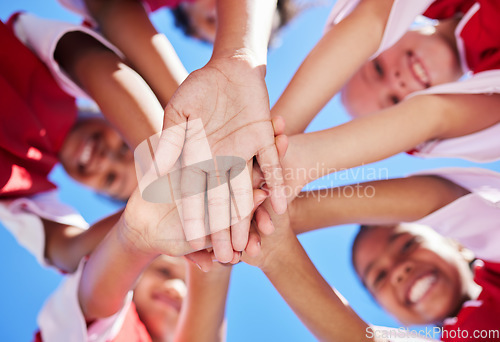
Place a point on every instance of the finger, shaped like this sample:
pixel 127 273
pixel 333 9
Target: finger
pixel 219 213
pixel 202 259
pixel 273 174
pixel 193 186
pixel 259 196
pixel 221 243
pixel 154 159
pixel 253 247
pixel 241 207
pixel 263 221
pixel 278 125
pixel 236 258
pixel 281 142
pixel 219 207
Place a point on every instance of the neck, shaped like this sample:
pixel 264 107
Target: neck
pixel 446 28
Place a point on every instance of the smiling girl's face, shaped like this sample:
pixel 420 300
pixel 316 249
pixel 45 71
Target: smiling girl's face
pixel 159 294
pixel 419 60
pixel 96 155
pixel 417 275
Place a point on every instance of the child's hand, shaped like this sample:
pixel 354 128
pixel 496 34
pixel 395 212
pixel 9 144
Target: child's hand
pixel 228 97
pixel 271 246
pixel 154 228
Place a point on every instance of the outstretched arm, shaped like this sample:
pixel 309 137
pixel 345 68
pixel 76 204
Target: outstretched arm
pixel 123 96
pixel 337 56
pixel 224 106
pixel 135 240
pixel 117 262
pixel 202 314
pixel 393 130
pixel 66 245
pixel 126 24
pixel 319 307
pixel 379 202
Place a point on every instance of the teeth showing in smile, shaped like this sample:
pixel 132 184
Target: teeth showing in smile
pixel 86 153
pixel 419 71
pixel 420 288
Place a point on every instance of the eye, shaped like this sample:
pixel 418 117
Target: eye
pixel 165 272
pixel 379 278
pixel 211 20
pixel 378 68
pixel 408 245
pixel 110 178
pixel 394 99
pixel 123 150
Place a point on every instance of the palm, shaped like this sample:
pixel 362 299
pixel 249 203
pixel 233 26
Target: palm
pixel 231 111
pixel 221 110
pixel 155 228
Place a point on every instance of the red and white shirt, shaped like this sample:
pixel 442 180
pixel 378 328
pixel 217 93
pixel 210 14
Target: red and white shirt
pixel 79 7
pixel 479 51
pixel 61 318
pixel 39 110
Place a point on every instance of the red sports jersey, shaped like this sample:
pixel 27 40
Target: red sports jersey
pixel 481 33
pixel 479 317
pixel 36 117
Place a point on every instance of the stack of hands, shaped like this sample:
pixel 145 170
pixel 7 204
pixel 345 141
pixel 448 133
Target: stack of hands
pixel 216 204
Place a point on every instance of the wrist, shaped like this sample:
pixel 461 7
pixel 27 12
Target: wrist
pixel 277 258
pixel 243 58
pixel 132 241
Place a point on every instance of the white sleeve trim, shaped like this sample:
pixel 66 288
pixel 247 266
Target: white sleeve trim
pixel 472 219
pixel 42 36
pixel 403 14
pixel 22 217
pixel 62 320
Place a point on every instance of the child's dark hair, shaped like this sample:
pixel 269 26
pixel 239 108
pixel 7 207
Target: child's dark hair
pixel 182 21
pixel 287 10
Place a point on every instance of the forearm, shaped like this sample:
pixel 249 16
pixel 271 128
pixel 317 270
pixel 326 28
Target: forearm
pixel 126 24
pixel 361 141
pixel 66 245
pixel 122 95
pixel 336 57
pixel 379 202
pixel 202 314
pixel 110 273
pixel 311 298
pixel 244 27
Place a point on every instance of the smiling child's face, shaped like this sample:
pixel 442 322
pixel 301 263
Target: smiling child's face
pixel 419 60
pixel 417 275
pixel 159 294
pixel 96 155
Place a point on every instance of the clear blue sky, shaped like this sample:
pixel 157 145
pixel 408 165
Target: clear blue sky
pixel 255 311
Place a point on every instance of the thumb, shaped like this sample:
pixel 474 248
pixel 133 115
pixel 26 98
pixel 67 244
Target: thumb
pixel 155 158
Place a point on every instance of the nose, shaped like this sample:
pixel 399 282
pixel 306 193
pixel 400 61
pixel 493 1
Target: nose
pixel 397 85
pixel 401 272
pixel 175 289
pixel 114 159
